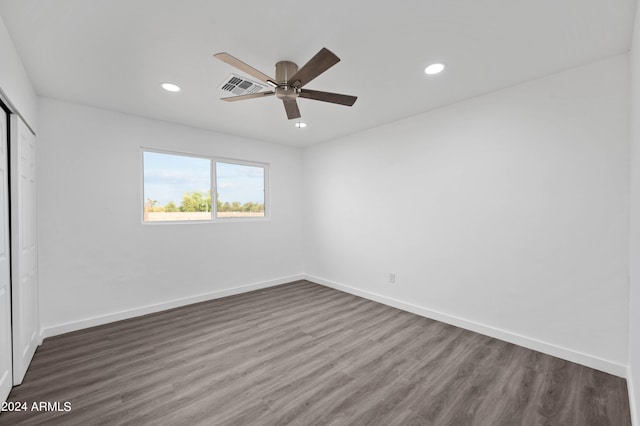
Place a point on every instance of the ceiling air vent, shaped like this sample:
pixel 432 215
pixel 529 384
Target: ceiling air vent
pixel 241 86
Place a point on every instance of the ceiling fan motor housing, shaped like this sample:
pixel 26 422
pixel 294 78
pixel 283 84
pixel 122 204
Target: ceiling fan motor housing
pixel 284 71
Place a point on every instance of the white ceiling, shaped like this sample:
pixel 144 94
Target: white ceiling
pixel 114 54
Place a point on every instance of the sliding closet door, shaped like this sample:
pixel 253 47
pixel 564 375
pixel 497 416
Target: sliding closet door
pixel 24 248
pixel 6 378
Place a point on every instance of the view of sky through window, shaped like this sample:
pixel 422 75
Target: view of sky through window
pixel 167 177
pixel 240 183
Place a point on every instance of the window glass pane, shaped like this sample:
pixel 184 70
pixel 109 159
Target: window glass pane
pixel 176 187
pixel 240 190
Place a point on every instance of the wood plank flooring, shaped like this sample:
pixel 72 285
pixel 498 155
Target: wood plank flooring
pixel 304 354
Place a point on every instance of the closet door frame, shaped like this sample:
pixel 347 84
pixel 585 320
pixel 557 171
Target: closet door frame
pixel 24 246
pixel 6 345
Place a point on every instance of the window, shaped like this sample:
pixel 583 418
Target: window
pixel 179 187
pixel 240 190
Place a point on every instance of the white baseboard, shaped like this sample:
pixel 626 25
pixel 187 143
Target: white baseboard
pixel 144 310
pixel 632 398
pixel 587 360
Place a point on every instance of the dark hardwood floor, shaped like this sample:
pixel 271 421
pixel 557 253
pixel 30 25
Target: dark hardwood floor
pixel 305 354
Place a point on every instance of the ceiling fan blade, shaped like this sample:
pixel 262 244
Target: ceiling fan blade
pixel 235 62
pixel 291 106
pixel 249 96
pixel 334 98
pixel 322 61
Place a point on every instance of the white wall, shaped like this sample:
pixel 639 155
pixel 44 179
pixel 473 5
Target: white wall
pixel 97 259
pixel 507 213
pixel 634 294
pixel 15 86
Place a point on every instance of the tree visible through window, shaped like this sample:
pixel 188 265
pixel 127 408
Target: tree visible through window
pixel 240 190
pixel 180 188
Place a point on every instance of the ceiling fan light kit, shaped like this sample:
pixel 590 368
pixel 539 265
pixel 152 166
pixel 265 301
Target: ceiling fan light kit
pixel 289 81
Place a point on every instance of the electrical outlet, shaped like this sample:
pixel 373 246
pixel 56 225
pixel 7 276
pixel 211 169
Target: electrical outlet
pixel 392 277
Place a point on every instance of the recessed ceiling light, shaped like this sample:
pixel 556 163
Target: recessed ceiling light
pixel 170 87
pixel 434 69
pixel 301 125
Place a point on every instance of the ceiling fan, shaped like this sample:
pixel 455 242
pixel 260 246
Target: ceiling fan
pixel 289 82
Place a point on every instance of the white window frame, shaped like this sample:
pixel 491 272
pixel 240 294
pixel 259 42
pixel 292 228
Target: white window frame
pixel 214 190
